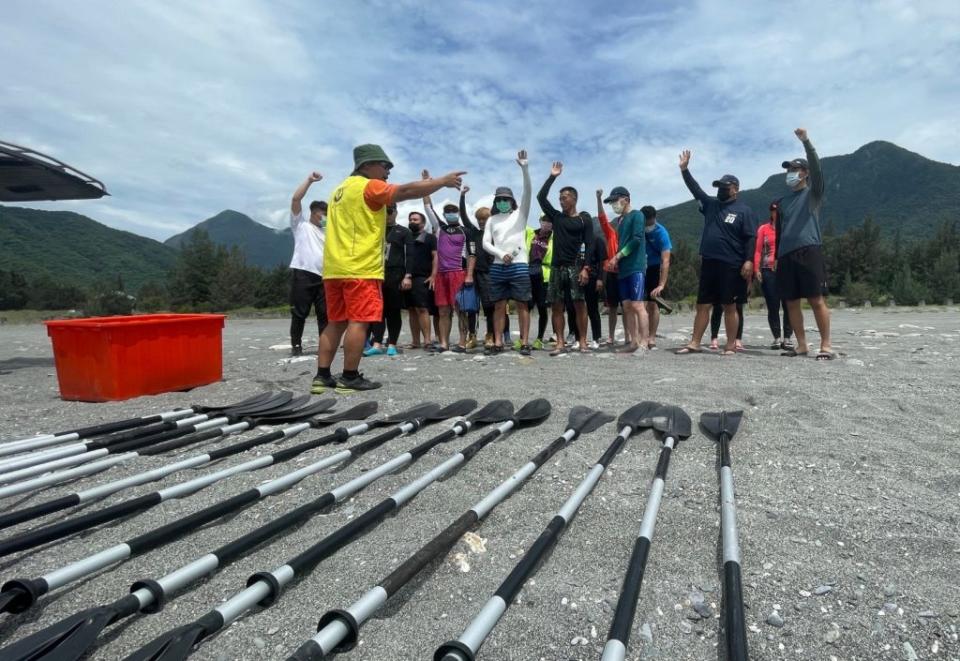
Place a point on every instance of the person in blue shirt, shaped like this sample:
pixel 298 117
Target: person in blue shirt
pixel 726 251
pixel 659 248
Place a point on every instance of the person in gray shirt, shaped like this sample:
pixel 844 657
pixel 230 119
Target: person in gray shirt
pixel 800 267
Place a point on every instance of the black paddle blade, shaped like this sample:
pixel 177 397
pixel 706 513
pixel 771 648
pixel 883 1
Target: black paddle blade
pixel 718 423
pixel 419 411
pixel 638 416
pixel 249 401
pixel 174 645
pixel 496 411
pixel 455 410
pixel 358 412
pixel 673 421
pixel 533 412
pixel 583 419
pixel 275 401
pixel 67 640
pixel 289 413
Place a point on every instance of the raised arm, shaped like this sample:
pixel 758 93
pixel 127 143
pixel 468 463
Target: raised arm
pixel 816 183
pixel 692 185
pixel 609 234
pixel 548 208
pixel 464 216
pixel 296 204
pixel 432 218
pixel 524 210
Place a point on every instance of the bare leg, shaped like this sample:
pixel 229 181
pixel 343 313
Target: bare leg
pixel 413 316
pixel 822 315
pixel 558 322
pixel 353 344
pixel 499 321
pixel 581 309
pixel 462 327
pixel 653 314
pixel 446 321
pixel 796 321
pixel 630 322
pixel 730 322
pixel 643 324
pixel 330 342
pixel 612 323
pixel 424 314
pixel 700 322
pixel 523 313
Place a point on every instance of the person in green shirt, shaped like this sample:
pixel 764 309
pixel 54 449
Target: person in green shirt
pixel 631 263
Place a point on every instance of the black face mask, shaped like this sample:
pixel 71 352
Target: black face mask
pixel 723 194
pixel 415 228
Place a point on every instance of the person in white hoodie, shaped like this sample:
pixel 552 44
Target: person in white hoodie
pixel 504 237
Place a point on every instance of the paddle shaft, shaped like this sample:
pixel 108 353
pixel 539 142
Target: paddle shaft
pixel 734 618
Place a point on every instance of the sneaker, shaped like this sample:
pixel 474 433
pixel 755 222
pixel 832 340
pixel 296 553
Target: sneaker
pixel 571 338
pixel 525 350
pixel 355 384
pixel 296 350
pixel 372 351
pixel 594 345
pixel 488 340
pixel 538 345
pixel 392 351
pixel 471 342
pixel 517 345
pixel 322 384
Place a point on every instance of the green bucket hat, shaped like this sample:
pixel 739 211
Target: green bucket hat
pixel 367 153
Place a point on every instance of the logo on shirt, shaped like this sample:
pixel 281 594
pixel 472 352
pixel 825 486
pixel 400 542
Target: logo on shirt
pixel 730 219
pixel 338 195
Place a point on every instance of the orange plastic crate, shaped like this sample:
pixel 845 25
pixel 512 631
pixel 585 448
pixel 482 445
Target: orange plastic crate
pixel 109 358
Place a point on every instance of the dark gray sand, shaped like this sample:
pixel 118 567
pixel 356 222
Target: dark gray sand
pixel 848 491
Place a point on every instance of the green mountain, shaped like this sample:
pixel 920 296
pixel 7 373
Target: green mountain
pixel 894 186
pixel 263 246
pixel 72 248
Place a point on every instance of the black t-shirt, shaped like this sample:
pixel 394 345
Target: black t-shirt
pixel 568 231
pixel 397 238
pixel 420 254
pixel 475 248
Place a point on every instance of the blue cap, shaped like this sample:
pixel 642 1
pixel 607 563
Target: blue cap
pixel 726 180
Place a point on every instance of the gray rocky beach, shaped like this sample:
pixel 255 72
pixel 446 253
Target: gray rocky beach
pixel 847 476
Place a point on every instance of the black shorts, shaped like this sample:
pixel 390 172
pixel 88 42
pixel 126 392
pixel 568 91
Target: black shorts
pixel 419 295
pixel 611 290
pixel 801 274
pixel 652 281
pixel 720 283
pixel 481 280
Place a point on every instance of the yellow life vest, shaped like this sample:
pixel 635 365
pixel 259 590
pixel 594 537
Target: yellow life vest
pixel 354 234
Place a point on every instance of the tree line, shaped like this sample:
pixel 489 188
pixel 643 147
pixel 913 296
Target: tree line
pixel 863 264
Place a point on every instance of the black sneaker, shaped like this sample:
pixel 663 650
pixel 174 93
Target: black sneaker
pixel 524 349
pixel 322 384
pixel 296 350
pixel 354 384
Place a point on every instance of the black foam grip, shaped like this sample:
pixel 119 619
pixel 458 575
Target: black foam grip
pixel 61 529
pixel 416 562
pixel 338 436
pixel 111 427
pixel 544 455
pixel 431 443
pixel 627 604
pixel 663 463
pixel 132 434
pixel 178 443
pixel 151 440
pixel 14 517
pixel 243 446
pixel 340 537
pixel 475 447
pixel 523 569
pixel 612 451
pixel 174 529
pixel 734 620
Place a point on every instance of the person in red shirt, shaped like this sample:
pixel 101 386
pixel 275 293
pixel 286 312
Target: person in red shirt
pixel 610 285
pixel 765 265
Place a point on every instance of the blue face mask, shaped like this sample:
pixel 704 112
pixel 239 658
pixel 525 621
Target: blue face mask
pixel 504 206
pixel 452 218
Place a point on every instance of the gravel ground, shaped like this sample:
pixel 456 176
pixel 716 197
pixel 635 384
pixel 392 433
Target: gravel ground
pixel 847 491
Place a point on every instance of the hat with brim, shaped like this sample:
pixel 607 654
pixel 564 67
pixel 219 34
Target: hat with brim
pixel 369 154
pixel 504 191
pixel 616 193
pixel 726 181
pixel 795 163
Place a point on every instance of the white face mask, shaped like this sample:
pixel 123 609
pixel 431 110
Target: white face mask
pixel 618 207
pixel 650 228
pixel 793 178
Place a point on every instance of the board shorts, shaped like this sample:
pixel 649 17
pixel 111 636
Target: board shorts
pixel 354 299
pixel 801 273
pixel 419 294
pixel 510 283
pixel 481 280
pixel 563 280
pixel 445 288
pixel 631 287
pixel 720 283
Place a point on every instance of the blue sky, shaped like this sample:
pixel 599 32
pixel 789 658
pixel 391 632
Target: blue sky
pixel 184 109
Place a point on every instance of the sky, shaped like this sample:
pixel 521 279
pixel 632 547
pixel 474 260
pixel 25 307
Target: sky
pixel 187 108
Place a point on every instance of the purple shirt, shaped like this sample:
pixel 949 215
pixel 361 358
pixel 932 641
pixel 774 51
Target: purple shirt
pixel 451 243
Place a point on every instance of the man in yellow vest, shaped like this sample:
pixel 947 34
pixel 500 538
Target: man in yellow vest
pixel 353 260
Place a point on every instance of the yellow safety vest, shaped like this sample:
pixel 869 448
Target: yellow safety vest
pixel 355 234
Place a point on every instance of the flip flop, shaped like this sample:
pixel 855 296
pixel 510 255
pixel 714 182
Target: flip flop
pixel 729 353
pixel 683 351
pixel 825 355
pixel 559 352
pixel 793 353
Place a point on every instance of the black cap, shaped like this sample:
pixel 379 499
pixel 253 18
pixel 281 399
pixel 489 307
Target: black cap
pixel 726 180
pixel 503 191
pixel 618 191
pixel 795 163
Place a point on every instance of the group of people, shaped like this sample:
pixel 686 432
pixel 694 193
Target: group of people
pixel 359 268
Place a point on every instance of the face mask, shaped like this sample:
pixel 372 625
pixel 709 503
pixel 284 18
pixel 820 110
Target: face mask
pixel 650 228
pixel 793 178
pixel 723 194
pixel 504 206
pixel 452 218
pixel 415 228
pixel 618 207
pixel 323 222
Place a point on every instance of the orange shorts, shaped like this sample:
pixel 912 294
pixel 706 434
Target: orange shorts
pixel 354 299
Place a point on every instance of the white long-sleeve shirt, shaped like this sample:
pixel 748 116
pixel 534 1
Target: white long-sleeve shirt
pixel 505 233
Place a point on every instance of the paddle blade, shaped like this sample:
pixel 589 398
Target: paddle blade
pixel 672 421
pixel 533 412
pixel 275 401
pixel 249 401
pixel 358 412
pixel 174 645
pixel 289 414
pixel 458 408
pixel 69 639
pixel 420 411
pixel 638 416
pixel 496 411
pixel 583 419
pixel 718 423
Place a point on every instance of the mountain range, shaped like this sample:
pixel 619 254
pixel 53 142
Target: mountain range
pixel 898 188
